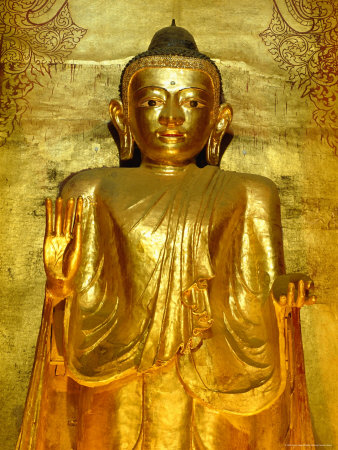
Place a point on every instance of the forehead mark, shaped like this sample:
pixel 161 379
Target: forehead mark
pixel 155 76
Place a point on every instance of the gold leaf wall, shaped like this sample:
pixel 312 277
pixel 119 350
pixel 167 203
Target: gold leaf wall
pixel 61 62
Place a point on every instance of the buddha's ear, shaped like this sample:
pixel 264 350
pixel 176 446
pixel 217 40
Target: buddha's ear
pixel 121 124
pixel 222 123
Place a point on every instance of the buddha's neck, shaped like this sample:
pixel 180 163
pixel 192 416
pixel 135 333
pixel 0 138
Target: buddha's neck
pixel 165 169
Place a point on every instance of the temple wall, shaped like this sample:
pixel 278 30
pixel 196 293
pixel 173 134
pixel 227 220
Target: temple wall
pixel 60 122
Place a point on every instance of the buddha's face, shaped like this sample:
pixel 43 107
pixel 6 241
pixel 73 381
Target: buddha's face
pixel 170 113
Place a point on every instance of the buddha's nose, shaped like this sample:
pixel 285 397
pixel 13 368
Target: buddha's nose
pixel 172 114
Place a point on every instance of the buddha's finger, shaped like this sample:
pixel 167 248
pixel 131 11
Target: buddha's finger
pixel 301 294
pixel 308 285
pixel 291 294
pixel 77 226
pixel 77 237
pixel 49 216
pixel 71 260
pixel 69 216
pixel 78 211
pixel 58 216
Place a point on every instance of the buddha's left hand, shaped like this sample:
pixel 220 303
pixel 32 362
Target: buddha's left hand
pixel 62 247
pixel 293 291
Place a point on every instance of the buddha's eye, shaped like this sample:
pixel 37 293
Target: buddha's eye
pixel 192 103
pixel 151 103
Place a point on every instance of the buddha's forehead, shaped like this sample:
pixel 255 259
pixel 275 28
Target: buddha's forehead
pixel 171 79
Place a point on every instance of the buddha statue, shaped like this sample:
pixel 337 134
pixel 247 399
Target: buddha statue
pixel 169 321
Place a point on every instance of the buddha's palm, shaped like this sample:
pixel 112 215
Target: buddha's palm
pixel 293 290
pixel 62 246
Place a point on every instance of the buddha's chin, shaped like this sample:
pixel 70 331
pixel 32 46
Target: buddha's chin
pixel 175 153
pixel 173 139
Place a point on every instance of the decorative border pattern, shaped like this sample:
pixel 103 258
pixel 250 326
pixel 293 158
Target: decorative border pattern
pixel 303 38
pixel 28 49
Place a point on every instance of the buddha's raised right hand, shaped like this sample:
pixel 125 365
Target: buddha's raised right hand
pixel 62 246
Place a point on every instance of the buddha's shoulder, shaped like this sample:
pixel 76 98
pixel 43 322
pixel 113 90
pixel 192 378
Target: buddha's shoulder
pixel 250 183
pixel 87 182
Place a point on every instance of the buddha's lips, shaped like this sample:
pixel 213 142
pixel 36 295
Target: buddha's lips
pixel 171 137
pixel 172 134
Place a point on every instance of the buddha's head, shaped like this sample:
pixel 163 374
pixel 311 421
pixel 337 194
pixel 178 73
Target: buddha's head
pixel 171 102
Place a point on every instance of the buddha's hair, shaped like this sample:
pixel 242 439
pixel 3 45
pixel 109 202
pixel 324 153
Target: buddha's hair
pixel 174 51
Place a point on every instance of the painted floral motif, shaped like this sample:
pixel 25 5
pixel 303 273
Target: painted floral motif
pixel 303 39
pixel 31 41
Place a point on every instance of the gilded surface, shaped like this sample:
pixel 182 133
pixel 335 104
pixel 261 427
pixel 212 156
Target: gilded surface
pixel 273 136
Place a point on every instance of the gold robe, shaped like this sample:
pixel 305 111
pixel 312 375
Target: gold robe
pixel 172 293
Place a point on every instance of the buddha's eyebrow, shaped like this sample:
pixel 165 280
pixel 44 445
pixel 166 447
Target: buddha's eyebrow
pixel 150 87
pixel 164 89
pixel 193 87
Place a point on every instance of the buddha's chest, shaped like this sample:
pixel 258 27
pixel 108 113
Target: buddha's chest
pixel 150 213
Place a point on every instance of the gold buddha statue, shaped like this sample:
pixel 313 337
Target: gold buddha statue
pixel 169 322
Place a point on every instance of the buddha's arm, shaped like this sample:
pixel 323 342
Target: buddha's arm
pixel 82 185
pixel 89 308
pixel 287 289
pixel 259 255
pixel 79 282
pixel 70 245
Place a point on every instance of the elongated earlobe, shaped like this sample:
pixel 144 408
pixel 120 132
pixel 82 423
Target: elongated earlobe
pixel 213 151
pixel 126 145
pixel 222 123
pixel 123 129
